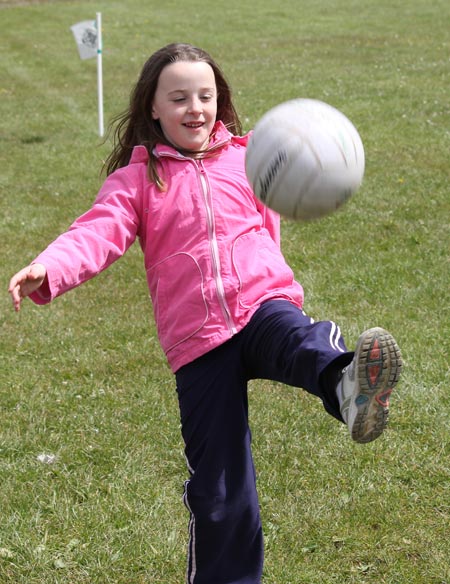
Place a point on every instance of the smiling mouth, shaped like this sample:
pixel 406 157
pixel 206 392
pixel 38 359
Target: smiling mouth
pixel 193 125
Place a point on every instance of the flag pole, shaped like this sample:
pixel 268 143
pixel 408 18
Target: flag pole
pixel 99 74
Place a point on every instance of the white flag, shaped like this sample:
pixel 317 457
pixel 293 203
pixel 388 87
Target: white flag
pixel 86 37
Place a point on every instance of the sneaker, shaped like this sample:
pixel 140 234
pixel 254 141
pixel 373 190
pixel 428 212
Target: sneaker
pixel 367 383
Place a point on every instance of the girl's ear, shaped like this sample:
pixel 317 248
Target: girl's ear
pixel 155 116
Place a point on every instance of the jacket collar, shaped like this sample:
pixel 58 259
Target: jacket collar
pixel 219 136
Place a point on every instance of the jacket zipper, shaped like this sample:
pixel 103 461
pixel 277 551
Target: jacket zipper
pixel 214 248
pixel 220 288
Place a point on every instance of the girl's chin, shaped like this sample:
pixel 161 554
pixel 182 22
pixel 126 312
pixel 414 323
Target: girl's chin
pixel 195 145
pixel 192 142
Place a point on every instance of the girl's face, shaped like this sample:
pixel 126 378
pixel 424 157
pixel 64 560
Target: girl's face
pixel 185 104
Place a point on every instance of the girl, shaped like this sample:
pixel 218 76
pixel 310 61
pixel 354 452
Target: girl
pixel 226 305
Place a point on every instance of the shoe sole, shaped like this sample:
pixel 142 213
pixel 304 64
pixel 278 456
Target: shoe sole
pixel 378 369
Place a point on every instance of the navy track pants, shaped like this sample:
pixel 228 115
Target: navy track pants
pixel 280 343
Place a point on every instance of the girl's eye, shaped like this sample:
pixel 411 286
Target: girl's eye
pixel 205 98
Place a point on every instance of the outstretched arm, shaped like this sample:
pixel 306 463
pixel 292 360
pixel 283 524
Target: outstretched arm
pixel 25 282
pixel 93 242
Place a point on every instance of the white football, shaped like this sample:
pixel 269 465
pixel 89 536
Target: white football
pixel 304 159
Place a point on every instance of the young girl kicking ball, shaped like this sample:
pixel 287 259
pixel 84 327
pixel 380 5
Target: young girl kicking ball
pixel 226 304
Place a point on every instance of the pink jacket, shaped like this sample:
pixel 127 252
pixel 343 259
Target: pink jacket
pixel 211 249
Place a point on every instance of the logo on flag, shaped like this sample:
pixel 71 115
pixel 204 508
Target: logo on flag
pixel 86 37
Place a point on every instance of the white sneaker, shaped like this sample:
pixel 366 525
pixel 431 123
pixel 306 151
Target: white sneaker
pixel 367 383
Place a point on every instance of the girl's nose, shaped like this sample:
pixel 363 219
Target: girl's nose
pixel 195 105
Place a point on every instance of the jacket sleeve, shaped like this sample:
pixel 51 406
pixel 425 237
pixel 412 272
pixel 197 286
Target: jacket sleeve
pixel 271 221
pixel 95 240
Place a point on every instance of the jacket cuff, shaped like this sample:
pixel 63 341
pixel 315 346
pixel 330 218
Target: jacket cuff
pixel 42 295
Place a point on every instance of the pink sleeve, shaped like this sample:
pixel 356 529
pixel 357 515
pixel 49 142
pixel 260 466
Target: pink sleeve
pixel 271 222
pixel 271 219
pixel 95 240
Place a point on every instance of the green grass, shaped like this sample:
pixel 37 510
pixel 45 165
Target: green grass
pixel 84 379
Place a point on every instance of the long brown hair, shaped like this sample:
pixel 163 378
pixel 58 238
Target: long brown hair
pixel 136 125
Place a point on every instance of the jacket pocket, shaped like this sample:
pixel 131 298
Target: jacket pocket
pixel 260 268
pixel 179 305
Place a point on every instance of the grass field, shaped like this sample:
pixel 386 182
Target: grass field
pixel 91 460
